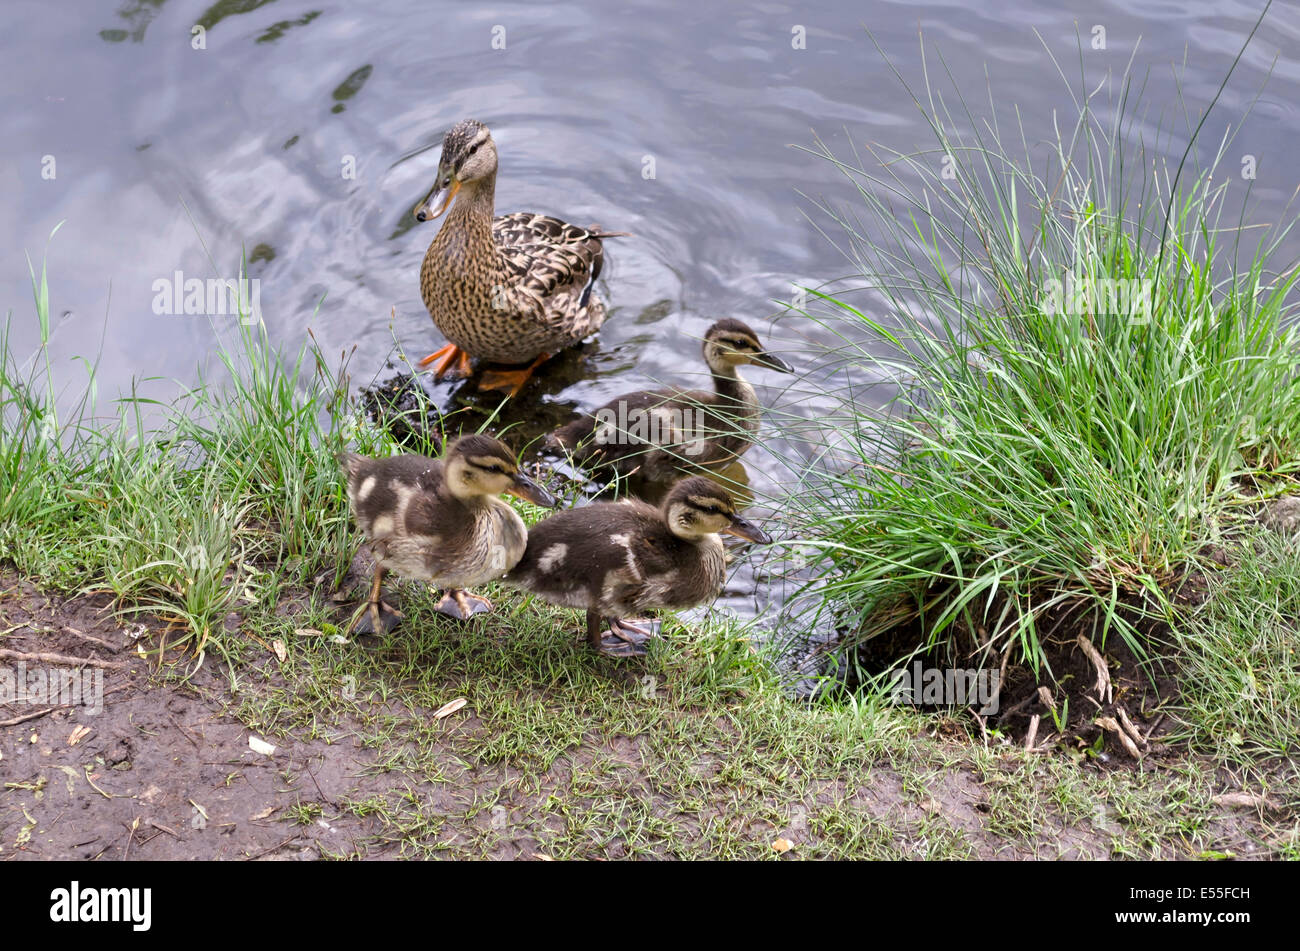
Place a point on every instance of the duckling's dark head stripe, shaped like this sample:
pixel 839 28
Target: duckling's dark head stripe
pixel 476 447
pixel 700 493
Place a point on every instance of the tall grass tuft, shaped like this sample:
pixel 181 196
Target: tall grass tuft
pixel 191 508
pixel 1037 453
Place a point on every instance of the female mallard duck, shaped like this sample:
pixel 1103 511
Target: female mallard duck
pixel 513 289
pixel 440 521
pixel 662 432
pixel 618 558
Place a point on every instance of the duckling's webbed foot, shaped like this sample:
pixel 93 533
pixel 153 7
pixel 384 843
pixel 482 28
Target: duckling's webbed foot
pixel 629 638
pixel 462 605
pixel 376 617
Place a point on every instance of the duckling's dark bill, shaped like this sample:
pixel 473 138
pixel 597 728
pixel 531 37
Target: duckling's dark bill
pixel 772 362
pixel 748 531
pixel 525 488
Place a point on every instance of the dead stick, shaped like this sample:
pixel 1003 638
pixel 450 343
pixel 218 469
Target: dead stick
pixel 1109 723
pixel 90 637
pixel 1129 728
pixel 162 828
pixel 130 834
pixel 40 713
pixel 49 658
pixel 273 848
pixel 1104 691
pixel 1033 732
pixel 185 733
pixel 1159 720
pixel 14 721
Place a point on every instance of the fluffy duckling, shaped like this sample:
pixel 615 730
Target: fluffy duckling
pixel 660 433
pixel 618 558
pixel 440 521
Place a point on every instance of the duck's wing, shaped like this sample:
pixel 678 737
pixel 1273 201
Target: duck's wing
pixel 649 573
pixel 380 490
pixel 553 266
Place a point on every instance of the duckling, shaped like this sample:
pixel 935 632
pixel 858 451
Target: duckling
pixel 662 433
pixel 618 558
pixel 511 289
pixel 439 520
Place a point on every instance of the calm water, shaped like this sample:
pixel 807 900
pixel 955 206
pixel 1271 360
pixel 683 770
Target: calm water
pixel 169 158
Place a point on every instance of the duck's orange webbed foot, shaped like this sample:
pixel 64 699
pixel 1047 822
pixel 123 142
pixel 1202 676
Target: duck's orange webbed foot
pixel 446 357
pixel 512 381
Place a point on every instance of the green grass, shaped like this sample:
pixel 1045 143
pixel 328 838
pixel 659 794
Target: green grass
pixel 188 508
pixel 1240 652
pixel 998 460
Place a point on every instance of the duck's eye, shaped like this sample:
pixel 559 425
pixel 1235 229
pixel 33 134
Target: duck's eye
pixel 473 149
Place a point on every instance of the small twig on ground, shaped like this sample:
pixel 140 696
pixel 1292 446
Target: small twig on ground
pixel 1002 678
pixel 1032 735
pixel 90 637
pixel 1104 689
pixel 162 828
pixel 130 834
pixel 49 658
pixel 1159 720
pixel 1044 747
pixel 14 721
pixel 312 776
pixel 273 848
pixel 1110 724
pixel 40 713
pixel 185 733
pixel 1129 728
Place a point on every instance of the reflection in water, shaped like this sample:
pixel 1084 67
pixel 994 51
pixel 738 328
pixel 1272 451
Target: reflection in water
pixel 227 8
pixel 138 16
pixel 350 86
pixel 277 30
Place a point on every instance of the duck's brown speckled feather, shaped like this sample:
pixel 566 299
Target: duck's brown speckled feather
pixel 509 288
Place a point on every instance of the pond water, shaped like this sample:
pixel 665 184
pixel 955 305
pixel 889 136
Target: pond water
pixel 304 131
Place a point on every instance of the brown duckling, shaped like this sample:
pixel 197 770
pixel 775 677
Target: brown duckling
pixel 616 559
pixel 663 433
pixel 440 521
